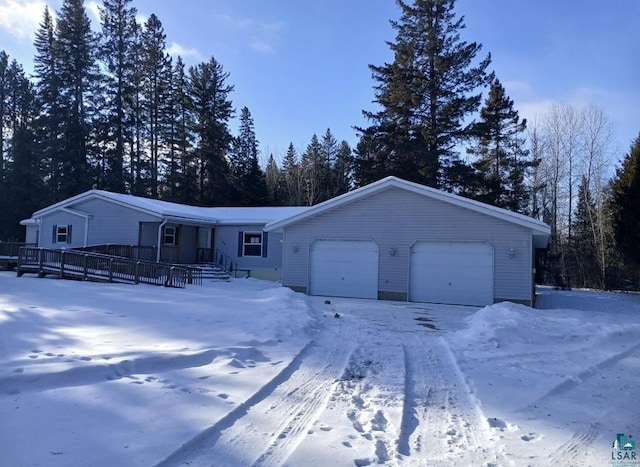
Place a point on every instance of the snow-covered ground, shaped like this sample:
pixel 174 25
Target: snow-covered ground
pixel 250 373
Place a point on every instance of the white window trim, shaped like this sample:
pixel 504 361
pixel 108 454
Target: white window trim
pixel 165 234
pixel 60 234
pixel 245 244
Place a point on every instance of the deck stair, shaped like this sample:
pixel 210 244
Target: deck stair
pixel 214 273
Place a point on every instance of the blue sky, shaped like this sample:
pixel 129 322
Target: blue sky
pixel 301 67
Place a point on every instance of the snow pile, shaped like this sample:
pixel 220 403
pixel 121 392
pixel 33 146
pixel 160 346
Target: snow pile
pixel 514 327
pixel 549 371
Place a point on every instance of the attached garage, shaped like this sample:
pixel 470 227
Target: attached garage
pixel 397 240
pixel 455 272
pixel 344 268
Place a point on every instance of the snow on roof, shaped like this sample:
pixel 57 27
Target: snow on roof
pixel 166 209
pixel 538 228
pixel 258 215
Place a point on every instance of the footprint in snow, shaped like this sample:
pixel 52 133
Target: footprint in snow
pixel 18 370
pixel 86 359
pixel 501 425
pixel 223 396
pixel 362 462
pixel 531 437
pixel 33 356
pixel 235 363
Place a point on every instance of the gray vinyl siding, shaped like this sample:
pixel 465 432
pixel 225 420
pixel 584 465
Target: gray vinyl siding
pixel 398 218
pixel 226 241
pixel 77 224
pixel 31 234
pixel 113 223
pixel 149 233
pixel 109 223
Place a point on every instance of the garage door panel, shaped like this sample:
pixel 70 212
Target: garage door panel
pixel 344 268
pixel 452 272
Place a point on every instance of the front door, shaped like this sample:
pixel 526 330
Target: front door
pixel 204 244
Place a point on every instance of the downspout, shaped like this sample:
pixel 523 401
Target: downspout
pixel 39 239
pixel 162 224
pixel 86 231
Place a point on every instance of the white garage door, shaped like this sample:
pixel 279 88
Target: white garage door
pixel 452 272
pixel 344 268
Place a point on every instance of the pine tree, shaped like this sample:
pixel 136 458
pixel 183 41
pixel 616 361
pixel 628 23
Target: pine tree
pixel 74 50
pixel 209 92
pixel 313 167
pixel 50 119
pixel 249 182
pixel 24 176
pixel 426 95
pixel 370 162
pixel 342 174
pixel 138 167
pixel 625 207
pixel 274 179
pixel 330 150
pixel 4 92
pixel 502 157
pixel 292 177
pixel 586 272
pixel 182 171
pixel 117 52
pixel 156 66
pixel 21 181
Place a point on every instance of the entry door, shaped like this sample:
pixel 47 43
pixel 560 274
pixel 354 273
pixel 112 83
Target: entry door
pixel 204 245
pixel 452 272
pixel 204 238
pixel 344 268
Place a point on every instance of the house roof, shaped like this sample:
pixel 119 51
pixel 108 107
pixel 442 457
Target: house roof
pixel 180 212
pixel 540 230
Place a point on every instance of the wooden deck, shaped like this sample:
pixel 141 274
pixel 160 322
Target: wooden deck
pixel 100 267
pixel 9 254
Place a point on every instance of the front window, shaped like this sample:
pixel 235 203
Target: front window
pixel 62 234
pixel 252 244
pixel 169 237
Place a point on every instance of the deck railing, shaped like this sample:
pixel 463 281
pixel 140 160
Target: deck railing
pixel 144 253
pixel 96 266
pixel 12 248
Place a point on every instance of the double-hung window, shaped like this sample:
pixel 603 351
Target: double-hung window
pixel 61 234
pixel 169 237
pixel 252 244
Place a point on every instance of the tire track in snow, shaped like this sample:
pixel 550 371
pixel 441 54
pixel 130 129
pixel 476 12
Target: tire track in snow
pixel 442 421
pixel 266 428
pixel 577 446
pixel 575 381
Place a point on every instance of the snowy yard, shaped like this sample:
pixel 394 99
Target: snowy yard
pixel 247 372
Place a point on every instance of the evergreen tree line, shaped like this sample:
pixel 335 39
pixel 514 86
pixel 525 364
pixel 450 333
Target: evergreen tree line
pixel 112 110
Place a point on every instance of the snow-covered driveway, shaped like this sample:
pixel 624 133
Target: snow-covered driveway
pixel 249 373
